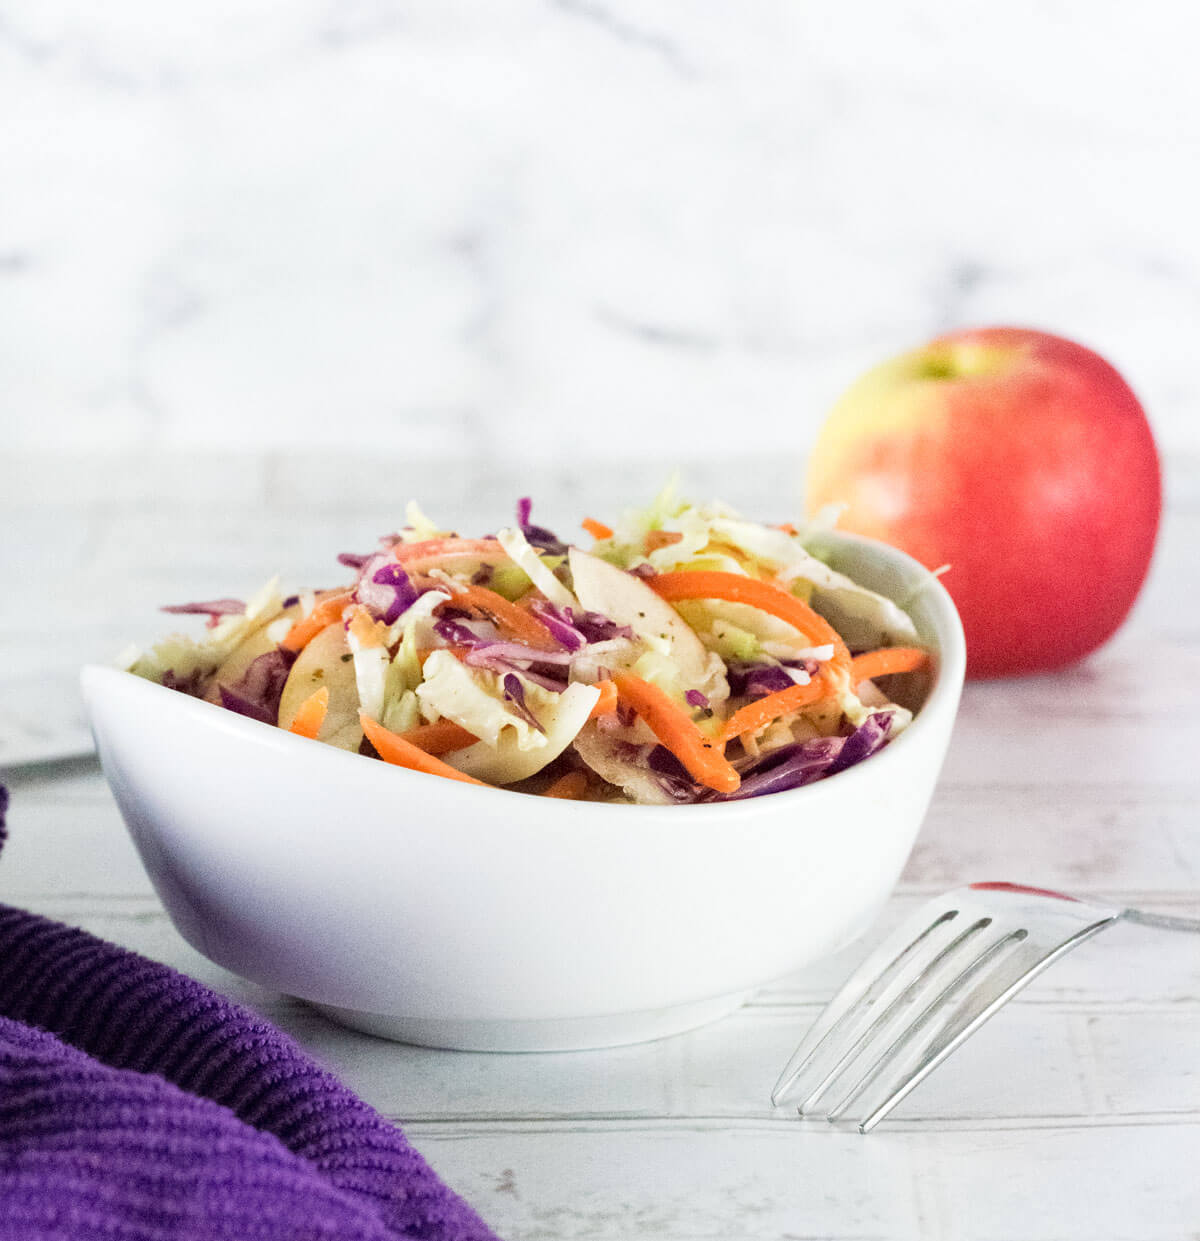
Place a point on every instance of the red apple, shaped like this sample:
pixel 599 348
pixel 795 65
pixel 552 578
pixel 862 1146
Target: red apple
pixel 1021 460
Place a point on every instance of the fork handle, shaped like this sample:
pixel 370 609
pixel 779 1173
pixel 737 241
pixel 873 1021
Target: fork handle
pixel 1166 922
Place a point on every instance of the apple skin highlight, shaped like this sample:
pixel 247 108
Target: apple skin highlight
pixel 1024 462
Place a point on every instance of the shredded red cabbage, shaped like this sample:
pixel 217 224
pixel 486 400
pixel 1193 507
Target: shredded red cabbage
pixel 214 607
pixel 597 627
pixel 384 588
pixel 260 688
pixel 545 668
pixel 672 776
pixel 789 767
pixel 192 684
pixel 353 561
pixel 514 691
pixel 515 650
pixel 559 625
pixel 492 658
pixel 696 698
pixel 751 680
pixel 576 629
pixel 452 630
pixel 458 634
pixel 868 737
pixel 542 677
pixel 792 766
pixel 538 536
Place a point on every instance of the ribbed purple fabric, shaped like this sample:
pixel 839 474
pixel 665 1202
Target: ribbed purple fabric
pixel 138 1105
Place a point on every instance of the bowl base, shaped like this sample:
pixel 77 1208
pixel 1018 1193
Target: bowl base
pixel 556 1034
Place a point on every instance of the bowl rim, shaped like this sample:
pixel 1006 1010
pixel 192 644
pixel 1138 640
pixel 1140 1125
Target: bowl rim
pixel 942 699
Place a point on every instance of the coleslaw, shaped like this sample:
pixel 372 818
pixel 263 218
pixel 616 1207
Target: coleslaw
pixel 687 655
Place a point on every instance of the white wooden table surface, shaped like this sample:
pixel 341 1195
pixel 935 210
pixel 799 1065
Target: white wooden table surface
pixel 1073 1116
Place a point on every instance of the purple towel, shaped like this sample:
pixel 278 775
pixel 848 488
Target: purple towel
pixel 138 1105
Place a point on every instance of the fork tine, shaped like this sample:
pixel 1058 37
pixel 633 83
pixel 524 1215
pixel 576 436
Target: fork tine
pixel 1001 970
pixel 891 999
pixel 936 952
pixel 865 983
pixel 907 1041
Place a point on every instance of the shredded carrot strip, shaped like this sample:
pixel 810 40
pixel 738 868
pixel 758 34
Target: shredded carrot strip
pixel 660 538
pixel 392 748
pixel 439 738
pixel 710 584
pixel 325 613
pixel 514 622
pixel 787 528
pixel 366 630
pixel 755 716
pixel 673 726
pixel 597 529
pixel 572 786
pixel 886 660
pixel 439 549
pixel 311 714
pixel 606 704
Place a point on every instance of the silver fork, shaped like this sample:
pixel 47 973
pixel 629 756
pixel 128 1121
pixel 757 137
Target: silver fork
pixel 933 982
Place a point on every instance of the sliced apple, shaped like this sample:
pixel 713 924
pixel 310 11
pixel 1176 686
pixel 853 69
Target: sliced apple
pixel 626 599
pixel 471 697
pixel 561 715
pixel 607 757
pixel 257 643
pixel 327 661
pixel 672 655
pixel 863 617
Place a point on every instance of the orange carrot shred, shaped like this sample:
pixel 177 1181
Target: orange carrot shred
pixel 572 786
pixel 660 538
pixel 606 704
pixel 672 725
pixel 886 660
pixel 439 738
pixel 324 613
pixel 755 716
pixel 597 529
pixel 734 588
pixel 514 622
pixel 392 748
pixel 439 549
pixel 365 629
pixel 311 714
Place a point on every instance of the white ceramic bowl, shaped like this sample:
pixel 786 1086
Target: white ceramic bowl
pixel 441 913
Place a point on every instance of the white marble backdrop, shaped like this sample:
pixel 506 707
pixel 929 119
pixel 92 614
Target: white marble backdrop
pixel 539 231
